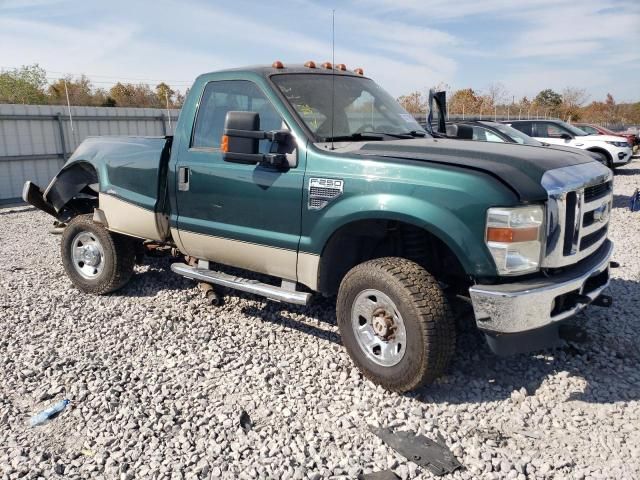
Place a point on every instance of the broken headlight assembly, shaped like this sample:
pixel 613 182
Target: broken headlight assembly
pixel 514 237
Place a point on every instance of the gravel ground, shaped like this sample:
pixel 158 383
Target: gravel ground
pixel 158 380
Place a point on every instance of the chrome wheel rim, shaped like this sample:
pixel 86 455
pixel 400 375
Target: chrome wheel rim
pixel 87 255
pixel 378 328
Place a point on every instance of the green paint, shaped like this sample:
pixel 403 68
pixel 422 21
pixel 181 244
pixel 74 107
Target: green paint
pixel 255 204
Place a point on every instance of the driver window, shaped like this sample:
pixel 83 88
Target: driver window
pixel 231 95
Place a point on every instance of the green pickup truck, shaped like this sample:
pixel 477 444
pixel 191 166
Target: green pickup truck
pixel 316 178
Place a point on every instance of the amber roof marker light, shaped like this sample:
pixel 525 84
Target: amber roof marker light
pixel 310 64
pixel 341 66
pixel 327 65
pixel 359 71
pixel 277 64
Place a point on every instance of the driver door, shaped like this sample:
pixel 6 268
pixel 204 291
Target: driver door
pixel 236 214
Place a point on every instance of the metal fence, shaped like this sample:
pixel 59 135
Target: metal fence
pixel 36 140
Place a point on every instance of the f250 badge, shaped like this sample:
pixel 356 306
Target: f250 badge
pixel 322 191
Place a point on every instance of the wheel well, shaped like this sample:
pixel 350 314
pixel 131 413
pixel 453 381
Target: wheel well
pixel 602 151
pixel 75 191
pixel 364 240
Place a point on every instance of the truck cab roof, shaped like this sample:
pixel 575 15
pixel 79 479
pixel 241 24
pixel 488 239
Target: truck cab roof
pixel 268 70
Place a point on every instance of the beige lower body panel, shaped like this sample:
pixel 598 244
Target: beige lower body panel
pixel 308 264
pixel 129 219
pixel 278 262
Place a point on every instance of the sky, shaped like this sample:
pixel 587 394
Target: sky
pixel 405 45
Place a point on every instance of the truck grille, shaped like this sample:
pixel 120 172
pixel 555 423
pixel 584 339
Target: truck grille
pixel 593 238
pixel 580 200
pixel 595 192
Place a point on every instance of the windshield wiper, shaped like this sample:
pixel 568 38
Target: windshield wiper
pixel 411 134
pixel 356 137
pixel 375 136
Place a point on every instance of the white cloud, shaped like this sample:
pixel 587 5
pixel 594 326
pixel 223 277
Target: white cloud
pixel 403 44
pixel 24 4
pixel 565 30
pixel 447 10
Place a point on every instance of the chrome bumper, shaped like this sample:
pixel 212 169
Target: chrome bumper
pixel 532 304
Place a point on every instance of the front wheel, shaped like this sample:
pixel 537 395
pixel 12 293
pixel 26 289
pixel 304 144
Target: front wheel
pixel 605 160
pixel 96 260
pixel 395 323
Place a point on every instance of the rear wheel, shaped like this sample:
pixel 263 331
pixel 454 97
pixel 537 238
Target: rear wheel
pixel 97 261
pixel 395 323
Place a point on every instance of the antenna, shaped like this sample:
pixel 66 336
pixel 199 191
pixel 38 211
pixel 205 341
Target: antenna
pixel 66 91
pixel 333 72
pixel 166 96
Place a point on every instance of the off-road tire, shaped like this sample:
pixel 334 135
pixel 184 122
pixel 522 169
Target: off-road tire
pixel 119 256
pixel 429 323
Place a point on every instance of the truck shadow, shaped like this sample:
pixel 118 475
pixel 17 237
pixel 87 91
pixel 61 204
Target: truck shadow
pixel 599 363
pixel 322 311
pixel 607 362
pixel 604 365
pixel 621 201
pixel 152 277
pixel 627 171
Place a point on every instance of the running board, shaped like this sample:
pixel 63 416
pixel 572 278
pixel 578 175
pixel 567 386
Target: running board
pixel 243 284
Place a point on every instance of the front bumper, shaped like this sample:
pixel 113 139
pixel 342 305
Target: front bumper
pixel 530 305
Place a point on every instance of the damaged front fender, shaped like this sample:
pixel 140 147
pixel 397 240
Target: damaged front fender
pixel 75 181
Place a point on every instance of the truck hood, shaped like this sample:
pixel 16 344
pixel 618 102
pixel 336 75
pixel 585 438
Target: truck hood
pixel 519 167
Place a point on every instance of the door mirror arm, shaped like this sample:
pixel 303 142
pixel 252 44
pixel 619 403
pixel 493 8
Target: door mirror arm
pixel 241 137
pixel 272 160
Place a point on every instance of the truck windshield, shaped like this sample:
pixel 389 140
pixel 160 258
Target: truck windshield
pixel 362 110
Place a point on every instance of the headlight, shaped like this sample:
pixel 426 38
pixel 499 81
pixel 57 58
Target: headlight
pixel 514 237
pixel 619 144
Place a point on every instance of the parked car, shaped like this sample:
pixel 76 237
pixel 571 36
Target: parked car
pixel 319 180
pixel 592 129
pixel 614 151
pixel 488 131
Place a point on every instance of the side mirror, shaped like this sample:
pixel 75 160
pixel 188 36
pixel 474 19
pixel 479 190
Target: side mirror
pixel 566 136
pixel 241 137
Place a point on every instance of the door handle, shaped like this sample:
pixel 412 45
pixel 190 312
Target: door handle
pixel 183 179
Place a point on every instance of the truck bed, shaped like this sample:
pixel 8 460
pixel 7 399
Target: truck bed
pixel 123 178
pixel 130 167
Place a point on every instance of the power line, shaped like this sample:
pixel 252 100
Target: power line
pixel 116 78
pixel 54 79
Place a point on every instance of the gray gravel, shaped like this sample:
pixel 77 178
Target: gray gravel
pixel 158 380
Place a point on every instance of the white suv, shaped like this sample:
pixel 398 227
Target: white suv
pixel 613 151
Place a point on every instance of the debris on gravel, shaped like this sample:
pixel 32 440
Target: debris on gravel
pixel 158 379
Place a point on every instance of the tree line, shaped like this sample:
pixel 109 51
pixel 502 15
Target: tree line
pixel 572 105
pixel 29 85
